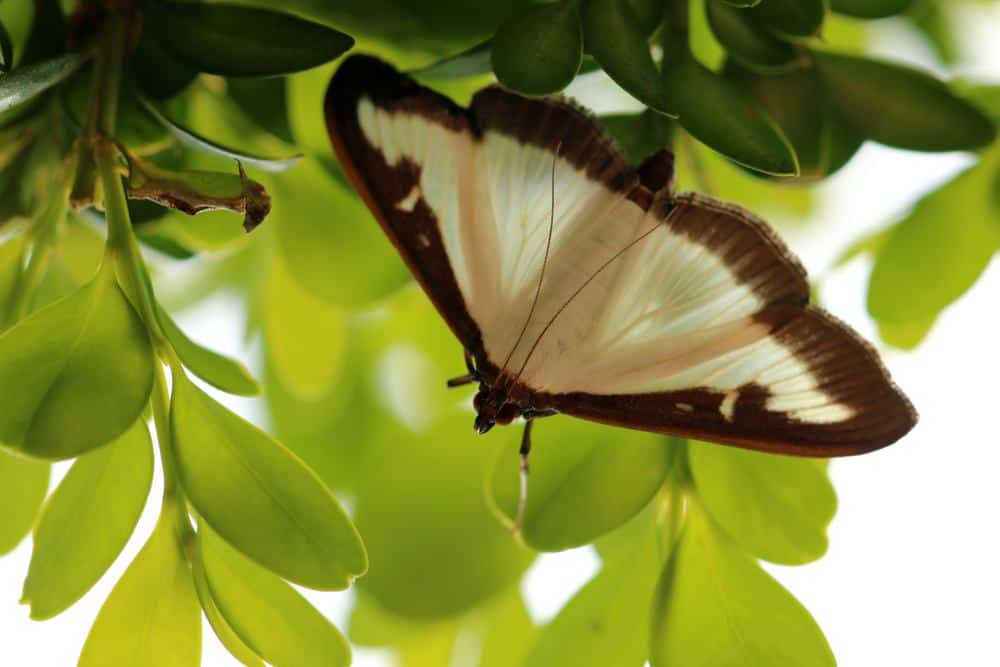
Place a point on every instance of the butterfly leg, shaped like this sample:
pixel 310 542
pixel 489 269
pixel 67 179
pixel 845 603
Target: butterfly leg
pixel 522 502
pixel 468 378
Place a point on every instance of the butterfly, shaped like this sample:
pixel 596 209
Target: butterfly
pixel 578 285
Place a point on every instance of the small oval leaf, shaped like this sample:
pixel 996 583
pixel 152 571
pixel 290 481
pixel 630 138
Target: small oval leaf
pixel 776 507
pixel 90 516
pixel 152 617
pixel 709 588
pixel 902 107
pixel 538 51
pixel 586 480
pixel 270 616
pixel 726 119
pixel 23 485
pixel 260 496
pixel 219 371
pixel 801 18
pixel 616 40
pixel 745 39
pixel 639 134
pixel 76 374
pixel 24 83
pixel 241 41
pixel 159 74
pixel 870 9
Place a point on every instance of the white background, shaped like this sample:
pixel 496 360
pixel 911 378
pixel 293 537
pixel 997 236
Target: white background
pixel 911 577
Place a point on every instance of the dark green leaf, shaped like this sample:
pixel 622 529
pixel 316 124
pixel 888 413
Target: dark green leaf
pixel 744 39
pixel 743 3
pixel 219 371
pixel 616 40
pixel 87 521
pixel 726 119
pixel 870 9
pixel 985 97
pixel 715 607
pixel 775 507
pixel 264 100
pixel 240 41
pixel 639 134
pixel 24 83
pixel 538 51
pixel 152 617
pixel 76 374
pixel 158 72
pixel 260 496
pixel 648 13
pixel 902 107
pixel 607 622
pixel 6 50
pixel 801 18
pixel 586 480
pixel 23 485
pixel 47 38
pixel 267 614
pixel 937 252
pixel 195 140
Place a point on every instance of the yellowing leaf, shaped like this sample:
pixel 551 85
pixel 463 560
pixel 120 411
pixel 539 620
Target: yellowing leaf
pixel 267 614
pixel 715 607
pixel 152 617
pixel 87 521
pixel 259 496
pixel 76 374
pixel 23 484
pixel 775 507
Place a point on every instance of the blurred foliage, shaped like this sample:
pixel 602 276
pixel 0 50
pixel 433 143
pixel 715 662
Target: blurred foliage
pixel 759 101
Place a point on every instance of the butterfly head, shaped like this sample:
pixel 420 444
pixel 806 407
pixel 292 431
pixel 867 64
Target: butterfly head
pixel 493 407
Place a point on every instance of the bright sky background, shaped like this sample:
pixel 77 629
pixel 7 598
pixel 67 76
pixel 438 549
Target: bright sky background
pixel 913 572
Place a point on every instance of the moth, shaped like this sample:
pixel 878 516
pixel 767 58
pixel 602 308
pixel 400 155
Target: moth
pixel 578 285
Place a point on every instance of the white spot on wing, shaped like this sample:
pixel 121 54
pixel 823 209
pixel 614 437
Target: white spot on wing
pixel 728 405
pixel 407 203
pixel 684 407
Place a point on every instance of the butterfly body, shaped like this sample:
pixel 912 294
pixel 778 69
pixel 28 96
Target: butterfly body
pixel 579 285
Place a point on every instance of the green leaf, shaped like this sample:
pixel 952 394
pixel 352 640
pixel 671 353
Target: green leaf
pixel 775 507
pixel 23 485
pixel 869 244
pixel 616 39
pixel 870 9
pixel 470 62
pixel 260 496
pixel 585 481
pixel 6 50
pixel 801 18
pixel 639 134
pixel 538 51
pixel 902 107
pixel 607 622
pixel 11 266
pixel 158 72
pixel 152 617
pixel 726 119
pixel 199 142
pixel 219 371
pixel 715 607
pixel 931 258
pixel 76 374
pixel 649 14
pixel 306 337
pixel 26 82
pixel 744 39
pixel 223 630
pixel 240 41
pixel 87 521
pixel 509 632
pixel 264 101
pixel 271 617
pixel 444 555
pixel 906 335
pixel 985 96
pixel 48 32
pixel 328 239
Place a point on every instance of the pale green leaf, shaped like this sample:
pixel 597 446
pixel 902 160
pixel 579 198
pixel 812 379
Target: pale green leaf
pixel 152 617
pixel 220 625
pixel 218 370
pixel 715 607
pixel 586 480
pixel 23 484
pixel 607 622
pixel 507 632
pixel 259 495
pixel 270 616
pixel 87 521
pixel 76 374
pixel 775 507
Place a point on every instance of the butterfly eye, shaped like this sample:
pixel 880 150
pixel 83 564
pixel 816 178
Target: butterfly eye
pixel 506 414
pixel 477 402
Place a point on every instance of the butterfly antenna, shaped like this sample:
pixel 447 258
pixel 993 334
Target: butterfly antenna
pixel 545 260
